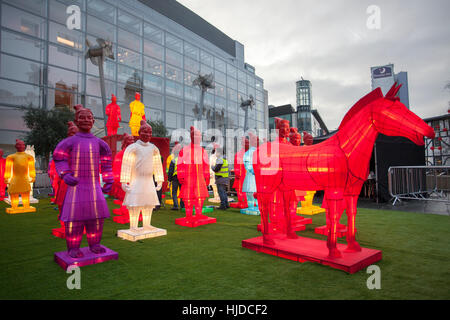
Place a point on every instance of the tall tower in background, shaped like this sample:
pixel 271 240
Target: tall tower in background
pixel 304 104
pixel 384 77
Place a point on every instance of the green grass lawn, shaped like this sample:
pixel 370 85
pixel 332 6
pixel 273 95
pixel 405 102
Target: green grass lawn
pixel 208 262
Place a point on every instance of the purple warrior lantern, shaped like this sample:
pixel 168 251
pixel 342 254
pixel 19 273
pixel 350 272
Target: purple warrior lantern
pixel 77 161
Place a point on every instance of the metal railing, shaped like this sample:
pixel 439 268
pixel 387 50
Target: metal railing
pixel 428 183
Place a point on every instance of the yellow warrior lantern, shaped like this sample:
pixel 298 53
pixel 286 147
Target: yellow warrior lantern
pixel 137 114
pixel 19 172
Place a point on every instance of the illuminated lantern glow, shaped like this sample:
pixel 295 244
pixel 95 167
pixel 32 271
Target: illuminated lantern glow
pixel 339 166
pixel 78 160
pixel 249 183
pixel 239 176
pixel 62 188
pixel 2 176
pixel 54 178
pixel 116 190
pixel 113 113
pixel 141 162
pixel 19 173
pixel 194 175
pixel 137 110
pixel 307 206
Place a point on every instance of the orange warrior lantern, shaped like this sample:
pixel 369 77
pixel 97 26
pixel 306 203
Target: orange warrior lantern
pixel 193 174
pixel 339 166
pixel 137 109
pixel 114 116
pixel 19 172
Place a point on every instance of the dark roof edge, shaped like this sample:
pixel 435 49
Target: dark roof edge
pixel 316 115
pixel 444 116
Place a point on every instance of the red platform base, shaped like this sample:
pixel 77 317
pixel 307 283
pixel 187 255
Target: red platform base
pixel 124 219
pixel 64 260
pixel 59 233
pixel 299 224
pixel 305 249
pixel 238 205
pixel 194 222
pixel 341 230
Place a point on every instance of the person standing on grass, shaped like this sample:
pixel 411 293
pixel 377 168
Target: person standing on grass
pixel 172 177
pixel 222 178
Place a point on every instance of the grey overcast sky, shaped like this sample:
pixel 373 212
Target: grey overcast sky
pixel 329 43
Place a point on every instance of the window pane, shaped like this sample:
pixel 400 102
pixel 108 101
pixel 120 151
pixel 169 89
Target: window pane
pixel 242 88
pixel 174 43
pixel 174 120
pixel 206 58
pixel 259 95
pixel 220 90
pixel 232 83
pixel 174 105
pixel 174 88
pixel 153 33
pixel 100 29
pixel 129 22
pixel 125 74
pixel 174 58
pixel 93 87
pixel 251 91
pixel 231 70
pixel 12 119
pixel 128 57
pixel 20 69
pixel 23 22
pixel 68 38
pixel 259 84
pixel 129 40
pixel 154 115
pixel 220 65
pixel 220 77
pixel 22 46
pixel 58 11
pixel 191 65
pixel 250 80
pixel 189 78
pixel 191 93
pixel 101 9
pixel 19 94
pixel 206 70
pixel 64 57
pixel 232 95
pixel 174 74
pixel 35 6
pixel 209 99
pixel 232 120
pixel 242 76
pixel 95 104
pixel 109 69
pixel 221 103
pixel 153 100
pixel 153 82
pixel 64 79
pixel 154 50
pixel 153 66
pixel 60 98
pixel 191 51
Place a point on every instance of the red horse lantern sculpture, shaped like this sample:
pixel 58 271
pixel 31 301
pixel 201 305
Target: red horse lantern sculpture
pixel 339 166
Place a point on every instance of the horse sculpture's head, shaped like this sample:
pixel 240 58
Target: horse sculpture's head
pixel 392 118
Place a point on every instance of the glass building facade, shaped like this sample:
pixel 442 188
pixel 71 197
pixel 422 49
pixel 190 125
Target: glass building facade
pixel 43 64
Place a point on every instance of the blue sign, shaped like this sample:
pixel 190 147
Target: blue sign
pixel 382 72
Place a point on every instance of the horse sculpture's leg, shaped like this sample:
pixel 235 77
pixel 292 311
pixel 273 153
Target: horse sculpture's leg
pixel 288 199
pixel 334 203
pixel 352 245
pixel 264 202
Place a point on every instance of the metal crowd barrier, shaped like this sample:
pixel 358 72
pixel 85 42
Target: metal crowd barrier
pixel 42 182
pixel 428 183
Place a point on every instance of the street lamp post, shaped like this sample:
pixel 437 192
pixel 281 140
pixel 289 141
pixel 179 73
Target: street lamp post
pixel 245 105
pixel 97 55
